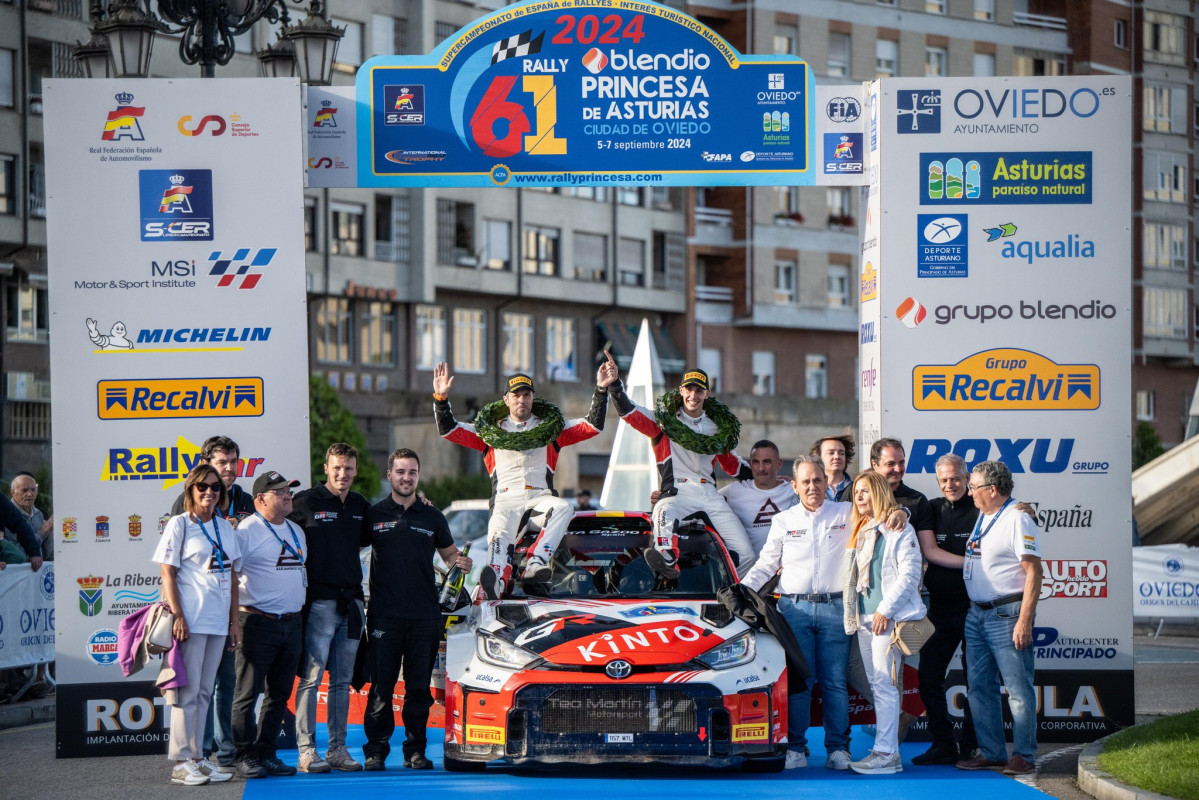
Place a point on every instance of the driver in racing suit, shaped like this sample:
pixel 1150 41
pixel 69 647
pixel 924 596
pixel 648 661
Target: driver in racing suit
pixel 521 480
pixel 687 479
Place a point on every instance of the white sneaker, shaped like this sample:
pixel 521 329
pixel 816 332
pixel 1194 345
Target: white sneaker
pixel 838 759
pixel 878 764
pixel 188 774
pixel 537 571
pixel 311 761
pixel 795 760
pixel 214 772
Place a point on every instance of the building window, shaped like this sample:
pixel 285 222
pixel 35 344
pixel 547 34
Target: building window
pixel 334 325
pixel 28 310
pixel 8 92
pixel 1146 405
pixel 840 212
pixel 785 37
pixel 631 262
pixel 784 282
pixel 936 62
pixel 1164 109
pixel 590 257
pixel 984 65
pixel 310 241
pixel 430 336
pixel 816 377
pixel 838 286
pixel 541 251
pixel 517 355
pixel 763 368
pixel 348 235
pixel 389 35
pixel 376 334
pixel 443 31
pixel 709 362
pixel 1165 313
pixel 984 9
pixel 497 244
pixel 560 349
pixel 1120 35
pixel 349 50
pixel 455 233
pixel 1165 177
pixel 934 6
pixel 1164 36
pixel 37 182
pixel 629 195
pixel 28 420
pixel 470 340
pixel 1164 246
pixel 8 186
pixel 1027 65
pixel 838 55
pixel 886 57
pixel 596 193
pixel 786 204
pixel 393 241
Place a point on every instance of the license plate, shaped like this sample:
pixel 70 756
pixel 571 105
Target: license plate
pixel 618 738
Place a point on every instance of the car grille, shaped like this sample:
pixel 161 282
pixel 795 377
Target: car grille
pixel 631 710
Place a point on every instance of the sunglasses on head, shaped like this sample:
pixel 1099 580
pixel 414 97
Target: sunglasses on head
pixel 215 488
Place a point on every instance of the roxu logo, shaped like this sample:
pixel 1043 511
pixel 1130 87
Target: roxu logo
pixel 1045 456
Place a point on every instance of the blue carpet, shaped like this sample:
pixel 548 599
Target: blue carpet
pixel 635 783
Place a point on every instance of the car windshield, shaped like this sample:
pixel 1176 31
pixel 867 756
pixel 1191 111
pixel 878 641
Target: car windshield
pixel 610 563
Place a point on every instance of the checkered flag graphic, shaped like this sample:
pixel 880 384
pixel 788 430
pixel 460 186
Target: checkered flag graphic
pixel 514 46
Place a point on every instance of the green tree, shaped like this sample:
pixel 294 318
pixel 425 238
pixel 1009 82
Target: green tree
pixel 1146 445
pixel 329 422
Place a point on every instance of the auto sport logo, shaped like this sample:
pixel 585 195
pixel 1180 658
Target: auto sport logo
pixel 842 153
pixel 176 398
pixel 123 122
pixel 405 105
pixel 918 111
pixel 326 115
pixel 942 249
pixel 1006 379
pixel 843 109
pixel 176 205
pixel 1061 177
pixel 1081 578
pixel 910 312
pixel 241 264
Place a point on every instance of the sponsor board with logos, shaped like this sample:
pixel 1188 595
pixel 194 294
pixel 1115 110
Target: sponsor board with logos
pixel 1165 581
pixel 1005 331
pixel 167 247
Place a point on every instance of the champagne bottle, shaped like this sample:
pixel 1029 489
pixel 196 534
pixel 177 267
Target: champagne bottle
pixel 453 582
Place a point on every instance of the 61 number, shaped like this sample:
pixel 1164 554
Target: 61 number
pixel 496 106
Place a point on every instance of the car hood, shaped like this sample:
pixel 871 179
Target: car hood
pixel 643 633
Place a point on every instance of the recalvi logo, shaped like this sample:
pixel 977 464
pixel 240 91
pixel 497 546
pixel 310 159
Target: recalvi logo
pixel 1006 379
pixel 173 398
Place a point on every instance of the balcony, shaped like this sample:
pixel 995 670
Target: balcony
pixel 714 305
pixel 1038 21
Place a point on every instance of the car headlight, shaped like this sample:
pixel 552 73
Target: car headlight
pixel 496 651
pixel 733 653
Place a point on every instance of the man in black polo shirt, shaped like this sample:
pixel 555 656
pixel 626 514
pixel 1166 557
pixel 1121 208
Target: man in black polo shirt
pixel 405 622
pixel 954 516
pixel 333 519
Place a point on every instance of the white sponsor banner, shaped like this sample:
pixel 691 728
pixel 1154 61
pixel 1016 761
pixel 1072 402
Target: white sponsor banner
pixel 329 134
pixel 26 615
pixel 176 268
pixel 1165 581
pixel 1005 292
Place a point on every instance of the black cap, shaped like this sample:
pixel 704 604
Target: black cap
pixel 270 481
pixel 695 377
pixel 519 380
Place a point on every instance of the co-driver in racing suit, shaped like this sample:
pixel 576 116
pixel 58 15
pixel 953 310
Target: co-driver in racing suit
pixel 687 479
pixel 521 480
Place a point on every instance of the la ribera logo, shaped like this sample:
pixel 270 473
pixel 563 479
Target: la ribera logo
pixel 1064 177
pixel 91 596
pixel 175 398
pixel 176 205
pixel 1005 379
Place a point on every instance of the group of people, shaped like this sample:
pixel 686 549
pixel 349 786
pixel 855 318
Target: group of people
pixel 28 539
pixel 267 585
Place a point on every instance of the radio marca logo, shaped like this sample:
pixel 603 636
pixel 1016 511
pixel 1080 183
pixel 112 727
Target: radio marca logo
pixel 1006 379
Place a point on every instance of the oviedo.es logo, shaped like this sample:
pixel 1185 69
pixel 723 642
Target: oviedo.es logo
pixel 1005 379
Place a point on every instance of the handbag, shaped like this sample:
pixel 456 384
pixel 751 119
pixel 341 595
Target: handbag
pixel 910 635
pixel 159 630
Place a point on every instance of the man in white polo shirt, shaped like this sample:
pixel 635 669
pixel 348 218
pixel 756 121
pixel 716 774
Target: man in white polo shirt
pixel 271 589
pixel 756 500
pixel 1002 572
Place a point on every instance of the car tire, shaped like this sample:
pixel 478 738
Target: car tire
pixel 760 765
pixel 452 764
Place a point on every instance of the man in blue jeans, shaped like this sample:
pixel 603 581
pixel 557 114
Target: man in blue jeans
pixel 334 520
pixel 808 542
pixel 1002 572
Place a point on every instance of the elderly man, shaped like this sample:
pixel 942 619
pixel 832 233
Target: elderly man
pixel 756 500
pixel 1002 572
pixel 807 542
pixel 24 493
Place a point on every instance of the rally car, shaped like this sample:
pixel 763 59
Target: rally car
pixel 610 663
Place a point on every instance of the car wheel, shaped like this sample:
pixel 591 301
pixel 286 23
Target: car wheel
pixel 452 764
pixel 760 765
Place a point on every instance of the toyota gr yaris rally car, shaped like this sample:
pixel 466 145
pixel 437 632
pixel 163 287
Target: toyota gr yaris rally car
pixel 610 663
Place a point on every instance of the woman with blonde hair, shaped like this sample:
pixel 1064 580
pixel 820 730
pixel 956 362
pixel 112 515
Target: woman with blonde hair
pixel 882 587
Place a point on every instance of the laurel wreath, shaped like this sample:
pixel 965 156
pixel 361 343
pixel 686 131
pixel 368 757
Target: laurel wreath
pixel 487 425
pixel 728 427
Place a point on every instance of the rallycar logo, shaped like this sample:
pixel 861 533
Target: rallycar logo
pixel 1074 578
pixel 1006 379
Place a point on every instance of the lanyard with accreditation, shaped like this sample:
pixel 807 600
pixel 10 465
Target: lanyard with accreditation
pixel 218 550
pixel 296 551
pixel 976 538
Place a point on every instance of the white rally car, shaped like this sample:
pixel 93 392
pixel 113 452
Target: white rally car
pixel 609 663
